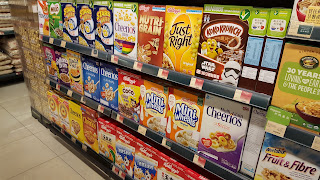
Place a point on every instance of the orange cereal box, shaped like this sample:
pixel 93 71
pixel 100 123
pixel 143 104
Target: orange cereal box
pixel 53 100
pixel 181 38
pixel 64 114
pixel 153 106
pixel 184 117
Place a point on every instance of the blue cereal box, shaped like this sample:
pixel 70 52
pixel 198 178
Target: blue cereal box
pixel 70 22
pixel 109 85
pixel 86 24
pixel 103 20
pixel 91 80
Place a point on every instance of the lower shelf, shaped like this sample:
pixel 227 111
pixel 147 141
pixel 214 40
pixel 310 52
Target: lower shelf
pixel 11 76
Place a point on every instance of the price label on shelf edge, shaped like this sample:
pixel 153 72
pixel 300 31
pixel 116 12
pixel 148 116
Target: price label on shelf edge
pixel 69 93
pixel 196 83
pixel 119 118
pixel 137 66
pixel 84 147
pixel 316 143
pixel 114 59
pixel 51 40
pixel 82 100
pixel 100 108
pixel 164 143
pixel 242 96
pixel 58 87
pixel 162 73
pixel 94 53
pixel 63 44
pixel 142 130
pixel 199 160
pixel 275 128
pixel 73 140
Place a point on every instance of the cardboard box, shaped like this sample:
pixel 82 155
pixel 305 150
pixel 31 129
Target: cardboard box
pixel 51 64
pixel 62 64
pixel 53 101
pixel 70 21
pixel 86 26
pixel 90 127
pixel 64 114
pixel 43 16
pixel 75 71
pixel 107 138
pixel 76 123
pixel 55 19
pixel 91 78
pixel 169 168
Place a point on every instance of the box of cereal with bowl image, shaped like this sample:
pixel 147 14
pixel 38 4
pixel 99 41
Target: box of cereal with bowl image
pixel 70 22
pixel 75 71
pixel 223 131
pixel 55 19
pixel 91 78
pixel 64 114
pixel 90 127
pixel 86 26
pixel 169 168
pixel 107 132
pixel 62 64
pixel 50 58
pixel 53 101
pixel 75 120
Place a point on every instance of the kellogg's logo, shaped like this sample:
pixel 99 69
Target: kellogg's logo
pixel 144 8
pixel 155 102
pixel 186 114
pixel 173 10
pixel 122 138
pixel 128 79
pixel 169 166
pixel 229 29
pixel 145 151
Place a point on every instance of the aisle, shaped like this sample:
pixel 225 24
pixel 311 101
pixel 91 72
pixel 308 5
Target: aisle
pixel 30 151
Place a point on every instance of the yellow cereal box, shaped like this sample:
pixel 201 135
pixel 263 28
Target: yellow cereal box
pixel 181 38
pixel 153 106
pixel 75 71
pixel 53 100
pixel 75 120
pixel 64 114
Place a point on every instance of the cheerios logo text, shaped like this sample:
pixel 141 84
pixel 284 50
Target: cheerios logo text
pixel 224 115
pixel 109 74
pixel 123 28
pixel 89 67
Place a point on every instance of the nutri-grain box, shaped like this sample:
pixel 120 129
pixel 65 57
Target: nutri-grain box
pixel 90 127
pixel 169 168
pixel 86 26
pixel 53 101
pixel 109 85
pixel 75 71
pixel 103 18
pixel 223 40
pixel 62 64
pixel 50 58
pixel 181 38
pixel 151 28
pixel 125 147
pixel 126 29
pixel 43 15
pixel 64 114
pixel 70 22
pixel 75 119
pixel 55 19
pixel 107 132
pixel 91 78
pixel 283 159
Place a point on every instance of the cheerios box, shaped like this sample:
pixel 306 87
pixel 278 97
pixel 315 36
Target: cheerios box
pixel 103 18
pixel 64 114
pixel 109 85
pixel 90 127
pixel 51 64
pixel 53 101
pixel 223 131
pixel 91 78
pixel 70 21
pixel 153 106
pixel 75 71
pixel 107 138
pixel 75 120
pixel 169 168
pixel 55 19
pixel 125 28
pixel 62 65
pixel 145 161
pixel 125 148
pixel 184 117
pixel 86 27
pixel 283 159
pixel 129 94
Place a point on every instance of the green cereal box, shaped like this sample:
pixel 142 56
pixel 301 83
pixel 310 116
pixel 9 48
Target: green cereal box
pixel 259 21
pixel 55 19
pixel 278 22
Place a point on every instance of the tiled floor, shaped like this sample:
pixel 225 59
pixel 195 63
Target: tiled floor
pixel 28 151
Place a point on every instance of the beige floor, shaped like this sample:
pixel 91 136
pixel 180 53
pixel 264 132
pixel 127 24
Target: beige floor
pixel 30 151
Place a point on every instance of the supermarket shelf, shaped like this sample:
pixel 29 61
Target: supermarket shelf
pixel 300 136
pixel 258 100
pixel 11 76
pixel 4 33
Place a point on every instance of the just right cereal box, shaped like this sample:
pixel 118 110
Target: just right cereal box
pixel 223 131
pixel 75 119
pixel 86 24
pixel 181 38
pixel 284 159
pixel 91 77
pixel 90 127
pixel 125 28
pixel 75 71
pixel 151 28
pixel 70 21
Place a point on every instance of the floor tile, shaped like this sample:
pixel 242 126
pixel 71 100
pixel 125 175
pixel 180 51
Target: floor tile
pixel 54 169
pixel 13 91
pixel 22 155
pixel 30 123
pixel 18 106
pixel 54 143
pixel 4 115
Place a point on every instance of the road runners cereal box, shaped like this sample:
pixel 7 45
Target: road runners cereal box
pixel 86 23
pixel 91 78
pixel 129 94
pixel 62 64
pixel 126 29
pixel 125 147
pixel 184 117
pixel 145 161
pixel 90 127
pixel 75 120
pixel 169 168
pixel 223 131
pixel 55 19
pixel 181 38
pixel 43 15
pixel 284 159
pixel 153 106
pixel 75 71
pixel 50 58
pixel 53 100
pixel 64 114
pixel 103 18
pixel 107 138
pixel 223 41
pixel 109 85
pixel 70 22
pixel 151 28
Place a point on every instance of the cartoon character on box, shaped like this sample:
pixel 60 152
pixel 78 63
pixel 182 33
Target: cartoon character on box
pixel 75 71
pixel 91 78
pixel 75 120
pixel 107 138
pixel 90 127
pixel 70 22
pixel 86 24
pixel 64 114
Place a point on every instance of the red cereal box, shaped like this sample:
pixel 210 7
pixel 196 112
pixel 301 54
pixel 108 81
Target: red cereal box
pixel 191 175
pixel 107 132
pixel 89 117
pixel 169 168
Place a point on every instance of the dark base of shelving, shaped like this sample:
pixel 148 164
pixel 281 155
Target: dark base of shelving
pixel 10 78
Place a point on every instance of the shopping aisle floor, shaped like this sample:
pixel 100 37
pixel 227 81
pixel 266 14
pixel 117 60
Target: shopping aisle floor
pixel 30 151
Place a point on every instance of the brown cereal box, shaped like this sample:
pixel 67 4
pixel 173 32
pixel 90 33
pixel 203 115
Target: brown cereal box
pixel 90 127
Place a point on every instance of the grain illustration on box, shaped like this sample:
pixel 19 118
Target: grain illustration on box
pixel 70 22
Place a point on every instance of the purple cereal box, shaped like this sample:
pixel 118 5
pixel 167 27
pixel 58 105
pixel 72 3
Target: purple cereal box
pixel 50 61
pixel 62 65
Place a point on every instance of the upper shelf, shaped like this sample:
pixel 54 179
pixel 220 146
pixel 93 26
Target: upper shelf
pixel 3 33
pixel 252 98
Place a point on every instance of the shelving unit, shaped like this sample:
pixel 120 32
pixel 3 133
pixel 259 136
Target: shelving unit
pixel 4 33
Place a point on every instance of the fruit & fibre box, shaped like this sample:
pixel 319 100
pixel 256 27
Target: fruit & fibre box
pixel 75 120
pixel 86 24
pixel 91 78
pixel 75 71
pixel 90 127
pixel 107 138
pixel 70 21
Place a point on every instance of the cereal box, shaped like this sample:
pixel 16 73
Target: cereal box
pixel 70 22
pixel 129 94
pixel 75 120
pixel 284 159
pixel 169 168
pixel 103 18
pixel 223 131
pixel 125 147
pixel 90 127
pixel 50 58
pixel 297 88
pixel 223 41
pixel 107 138
pixel 55 19
pixel 43 15
pixel 86 23
pixel 109 85
pixel 91 69
pixel 125 28
pixel 62 64
pixel 75 71
pixel 153 106
pixel 64 114
pixel 53 100
pixel 191 175
pixel 151 28
pixel 145 161
pixel 184 117
pixel 181 38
